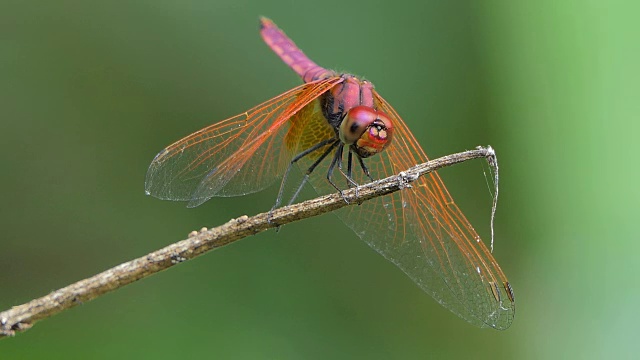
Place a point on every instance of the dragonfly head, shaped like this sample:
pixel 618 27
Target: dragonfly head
pixel 369 131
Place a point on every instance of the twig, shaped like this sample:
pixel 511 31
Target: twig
pixel 22 317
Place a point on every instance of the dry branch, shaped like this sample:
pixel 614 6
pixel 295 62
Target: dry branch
pixel 22 317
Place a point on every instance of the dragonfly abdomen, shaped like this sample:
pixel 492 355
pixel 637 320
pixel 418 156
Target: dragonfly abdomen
pixel 287 50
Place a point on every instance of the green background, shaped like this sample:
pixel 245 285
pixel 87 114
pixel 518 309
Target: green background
pixel 90 91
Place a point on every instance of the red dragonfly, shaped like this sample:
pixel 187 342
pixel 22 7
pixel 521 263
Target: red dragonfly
pixel 339 121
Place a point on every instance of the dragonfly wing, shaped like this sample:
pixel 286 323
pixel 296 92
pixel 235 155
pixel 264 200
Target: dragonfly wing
pixel 422 231
pixel 237 156
pixel 440 250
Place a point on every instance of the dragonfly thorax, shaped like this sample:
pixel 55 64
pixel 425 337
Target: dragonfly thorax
pixel 344 96
pixel 349 109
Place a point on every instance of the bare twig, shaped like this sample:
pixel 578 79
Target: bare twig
pixel 22 317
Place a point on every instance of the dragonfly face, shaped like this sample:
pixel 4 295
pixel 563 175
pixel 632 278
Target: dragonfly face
pixel 368 131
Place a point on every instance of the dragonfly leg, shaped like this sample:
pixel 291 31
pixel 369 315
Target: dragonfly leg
pixel 350 181
pixel 337 159
pixel 286 174
pixel 349 175
pixel 333 143
pixel 364 167
pixel 293 161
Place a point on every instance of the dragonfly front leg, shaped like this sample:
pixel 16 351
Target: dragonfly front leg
pixel 349 175
pixel 349 166
pixel 337 159
pixel 364 167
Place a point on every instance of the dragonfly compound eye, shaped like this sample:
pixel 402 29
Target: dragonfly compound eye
pixel 368 130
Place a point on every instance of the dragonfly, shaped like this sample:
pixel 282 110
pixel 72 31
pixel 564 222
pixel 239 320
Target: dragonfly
pixel 340 133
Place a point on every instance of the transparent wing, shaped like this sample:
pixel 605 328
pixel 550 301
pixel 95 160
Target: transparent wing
pixel 236 156
pixel 422 231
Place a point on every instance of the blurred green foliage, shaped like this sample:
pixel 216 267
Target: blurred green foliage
pixel 91 90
